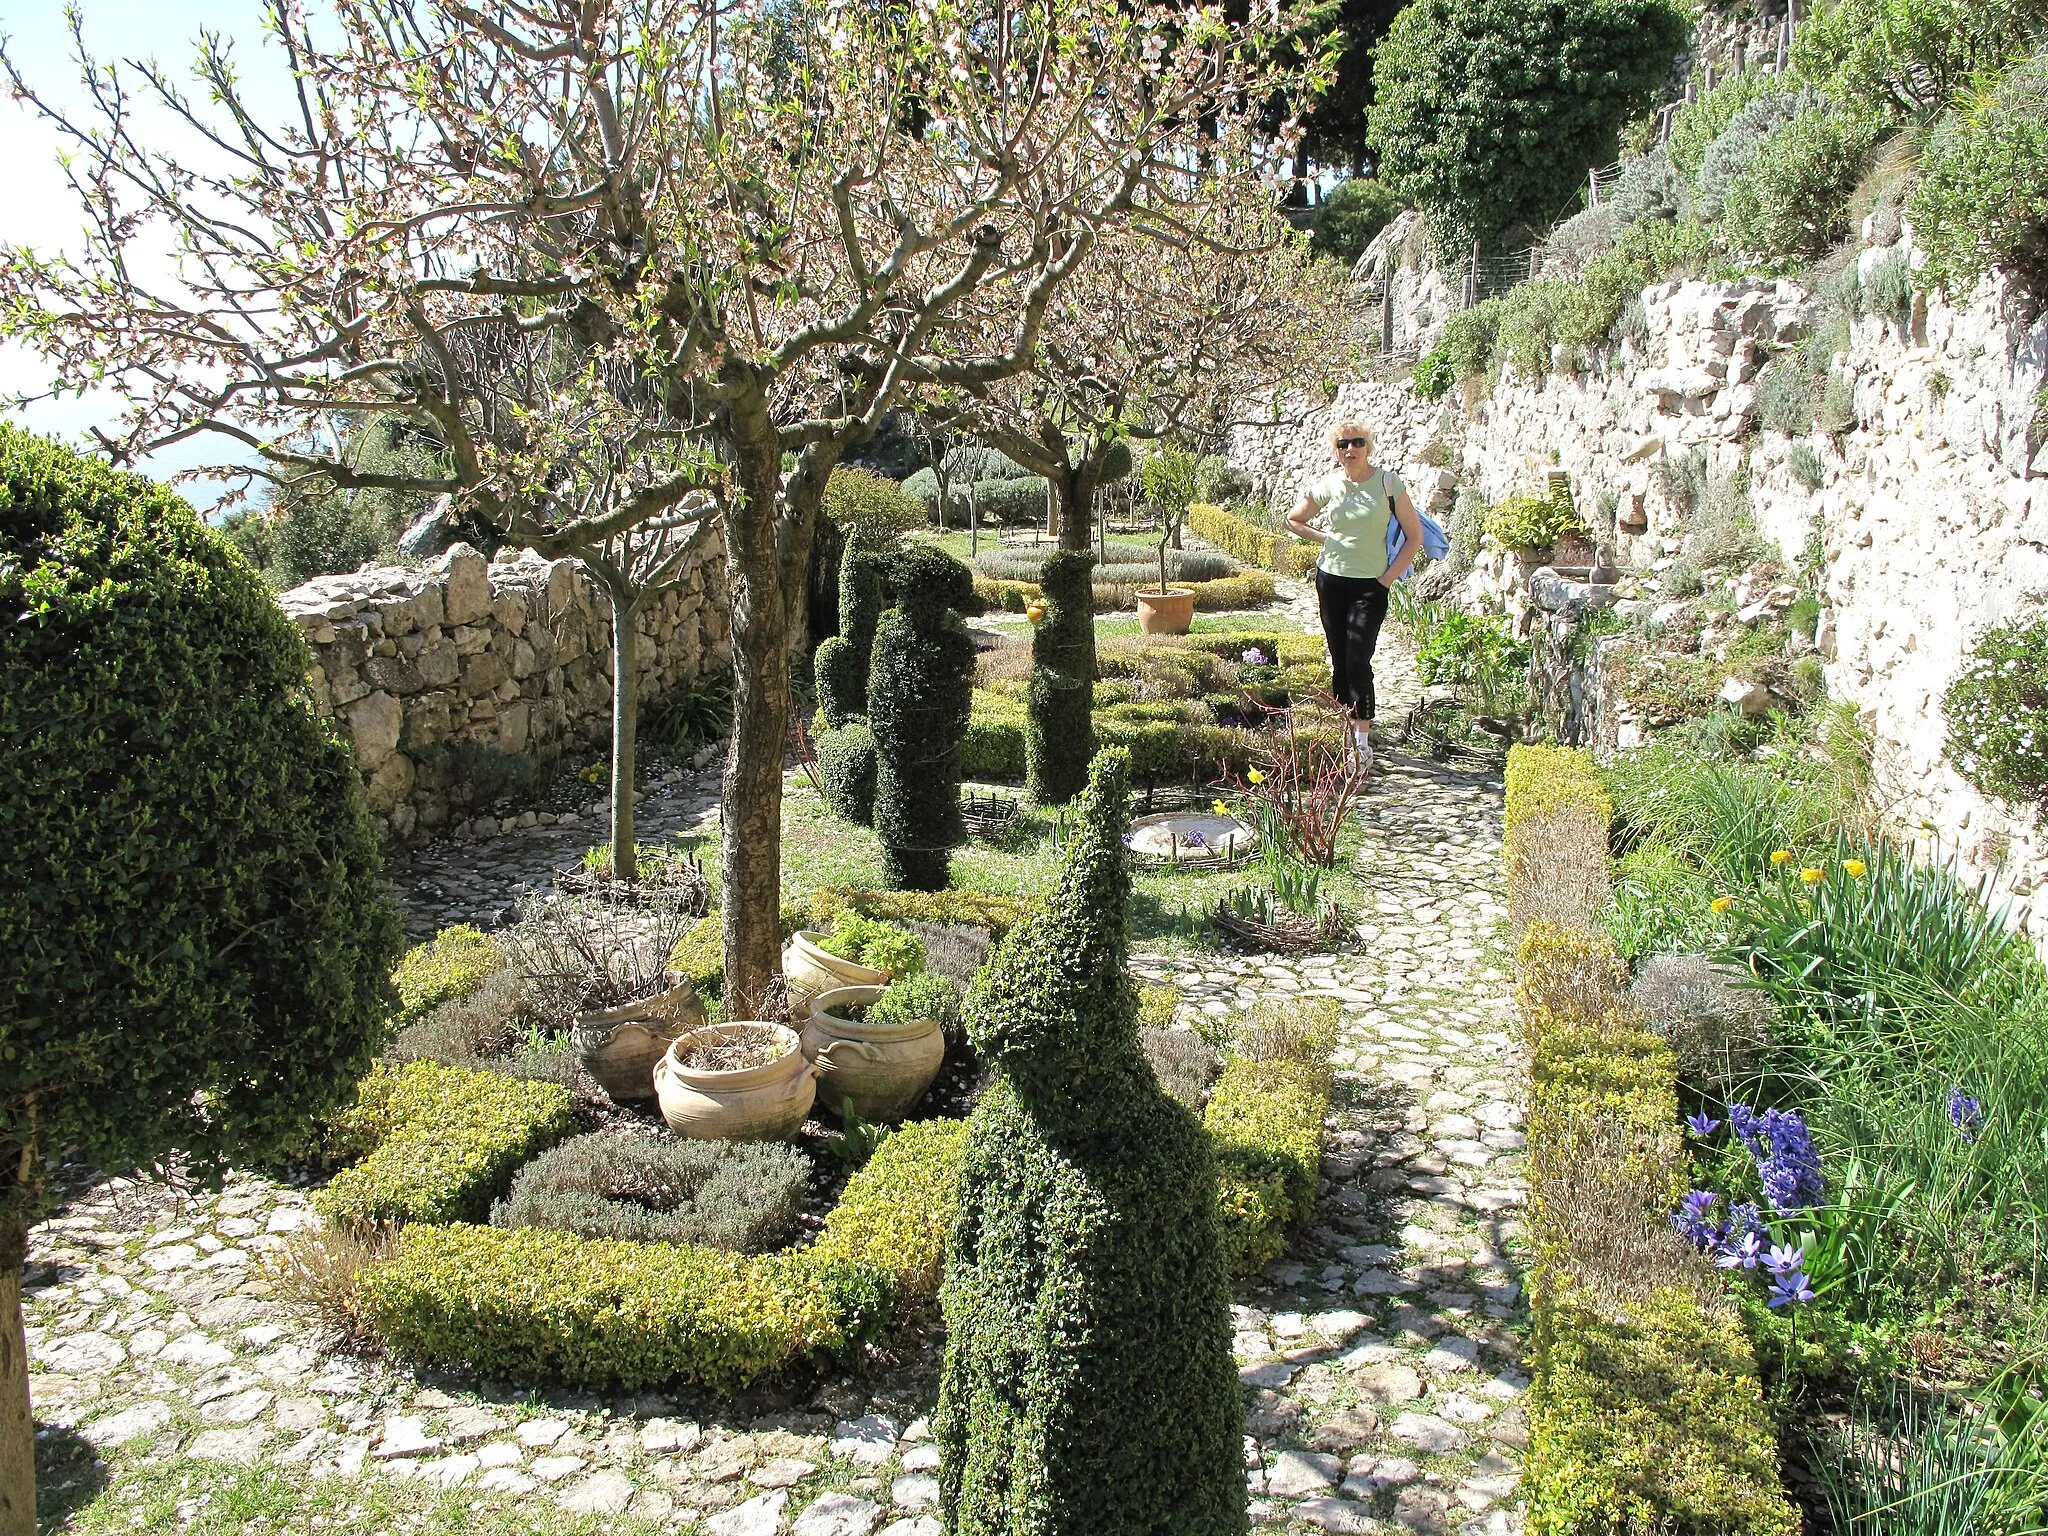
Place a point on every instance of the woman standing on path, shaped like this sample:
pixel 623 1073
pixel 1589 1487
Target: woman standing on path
pixel 1353 579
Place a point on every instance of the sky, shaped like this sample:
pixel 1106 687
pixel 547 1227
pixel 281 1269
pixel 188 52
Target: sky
pixel 40 211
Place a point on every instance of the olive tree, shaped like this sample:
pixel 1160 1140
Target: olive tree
pixel 196 939
pixel 684 240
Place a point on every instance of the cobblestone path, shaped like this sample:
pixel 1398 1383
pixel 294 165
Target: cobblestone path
pixel 1381 1355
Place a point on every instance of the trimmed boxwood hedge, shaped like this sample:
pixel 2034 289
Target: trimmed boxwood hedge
pixel 452 964
pixel 443 1142
pixel 1266 1119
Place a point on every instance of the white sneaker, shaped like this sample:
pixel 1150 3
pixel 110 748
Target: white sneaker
pixel 1361 749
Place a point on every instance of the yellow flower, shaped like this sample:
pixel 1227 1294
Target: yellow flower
pixel 1219 807
pixel 1722 903
pixel 1856 868
pixel 1781 855
pixel 1810 875
pixel 1256 777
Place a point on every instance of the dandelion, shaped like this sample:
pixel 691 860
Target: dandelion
pixel 1721 903
pixel 1256 777
pixel 1811 874
pixel 1965 1114
pixel 1856 869
pixel 1703 1125
pixel 1781 855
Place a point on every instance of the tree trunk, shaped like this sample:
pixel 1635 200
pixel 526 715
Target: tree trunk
pixel 625 727
pixel 751 839
pixel 17 1424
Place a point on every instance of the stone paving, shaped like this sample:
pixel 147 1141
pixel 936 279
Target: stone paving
pixel 1381 1355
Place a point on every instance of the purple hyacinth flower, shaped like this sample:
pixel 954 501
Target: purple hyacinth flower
pixel 1703 1125
pixel 1691 1219
pixel 1965 1114
pixel 1127 839
pixel 1253 657
pixel 1790 1289
pixel 1196 840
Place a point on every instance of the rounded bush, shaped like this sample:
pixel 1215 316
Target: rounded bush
pixel 744 1197
pixel 1982 201
pixel 196 933
pixel 1997 711
pixel 873 509
pixel 1349 219
pixel 1793 200
pixel 1741 138
pixel 840 667
pixel 846 764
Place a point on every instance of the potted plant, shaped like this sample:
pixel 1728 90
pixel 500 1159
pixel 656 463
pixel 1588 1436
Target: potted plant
pixel 878 1048
pixel 744 1081
pixel 1169 610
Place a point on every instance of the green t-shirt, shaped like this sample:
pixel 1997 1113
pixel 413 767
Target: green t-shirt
pixel 1355 512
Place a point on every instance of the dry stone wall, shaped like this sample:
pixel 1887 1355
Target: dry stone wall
pixel 1931 513
pixel 431 672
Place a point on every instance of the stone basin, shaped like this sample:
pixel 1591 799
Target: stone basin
pixel 1190 837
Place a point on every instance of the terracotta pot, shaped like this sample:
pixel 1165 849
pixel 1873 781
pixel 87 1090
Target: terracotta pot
pixel 883 1069
pixel 620 1046
pixel 764 1103
pixel 808 970
pixel 1166 613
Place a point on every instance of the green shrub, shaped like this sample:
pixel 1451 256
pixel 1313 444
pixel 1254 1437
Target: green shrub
pixel 1793 200
pixel 529 1303
pixel 1468 340
pixel 1249 542
pixel 873 509
pixel 842 663
pixel 1997 712
pixel 452 964
pixel 846 766
pixel 896 1211
pixel 1266 1119
pixel 1182 1060
pixel 1646 252
pixel 1837 407
pixel 907 998
pixel 1982 199
pixel 196 941
pixel 1538 314
pixel 1086 1301
pixel 1355 211
pixel 1806 467
pixel 744 1197
pixel 1529 520
pixel 1656 1420
pixel 1464 647
pixel 1172 477
pixel 1220 482
pixel 466 1027
pixel 1908 58
pixel 1486 112
pixel 443 1142
pixel 1736 147
pixel 1016 503
pixel 1434 374
pixel 1784 400
pixel 920 693
pixel 872 942
pixel 975 909
pixel 1058 734
pixel 699 956
pixel 1700 122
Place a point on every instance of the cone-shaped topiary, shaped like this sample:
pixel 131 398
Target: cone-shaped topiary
pixel 1088 1384
pixel 1059 732
pixel 846 764
pixel 841 666
pixel 920 693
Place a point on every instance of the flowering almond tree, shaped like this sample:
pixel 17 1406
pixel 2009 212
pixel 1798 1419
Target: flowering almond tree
pixel 636 260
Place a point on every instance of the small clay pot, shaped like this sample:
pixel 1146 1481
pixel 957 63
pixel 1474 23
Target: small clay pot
pixel 762 1103
pixel 619 1046
pixel 1171 612
pixel 808 969
pixel 882 1069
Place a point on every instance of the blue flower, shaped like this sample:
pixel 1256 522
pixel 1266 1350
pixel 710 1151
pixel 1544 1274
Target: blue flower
pixel 1703 1125
pixel 1739 1252
pixel 1783 1259
pixel 1127 839
pixel 1253 657
pixel 1790 1288
pixel 1965 1114
pixel 1196 840
pixel 1782 1149
pixel 1691 1219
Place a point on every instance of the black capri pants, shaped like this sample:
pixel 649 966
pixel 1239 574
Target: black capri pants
pixel 1352 609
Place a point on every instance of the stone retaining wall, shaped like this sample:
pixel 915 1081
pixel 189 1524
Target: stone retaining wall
pixel 1931 514
pixel 433 672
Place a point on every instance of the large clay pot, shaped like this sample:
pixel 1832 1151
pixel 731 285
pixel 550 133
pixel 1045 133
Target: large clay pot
pixel 764 1103
pixel 620 1046
pixel 1171 612
pixel 808 970
pixel 883 1069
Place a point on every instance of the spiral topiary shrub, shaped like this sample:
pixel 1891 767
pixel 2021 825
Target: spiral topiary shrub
pixel 841 665
pixel 1088 1384
pixel 1058 730
pixel 196 941
pixel 920 693
pixel 846 765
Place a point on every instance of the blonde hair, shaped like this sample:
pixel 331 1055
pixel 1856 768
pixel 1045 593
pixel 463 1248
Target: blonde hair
pixel 1358 429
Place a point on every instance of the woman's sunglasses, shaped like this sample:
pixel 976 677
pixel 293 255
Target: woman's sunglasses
pixel 1349 442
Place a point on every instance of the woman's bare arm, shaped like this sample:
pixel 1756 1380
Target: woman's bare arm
pixel 1298 520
